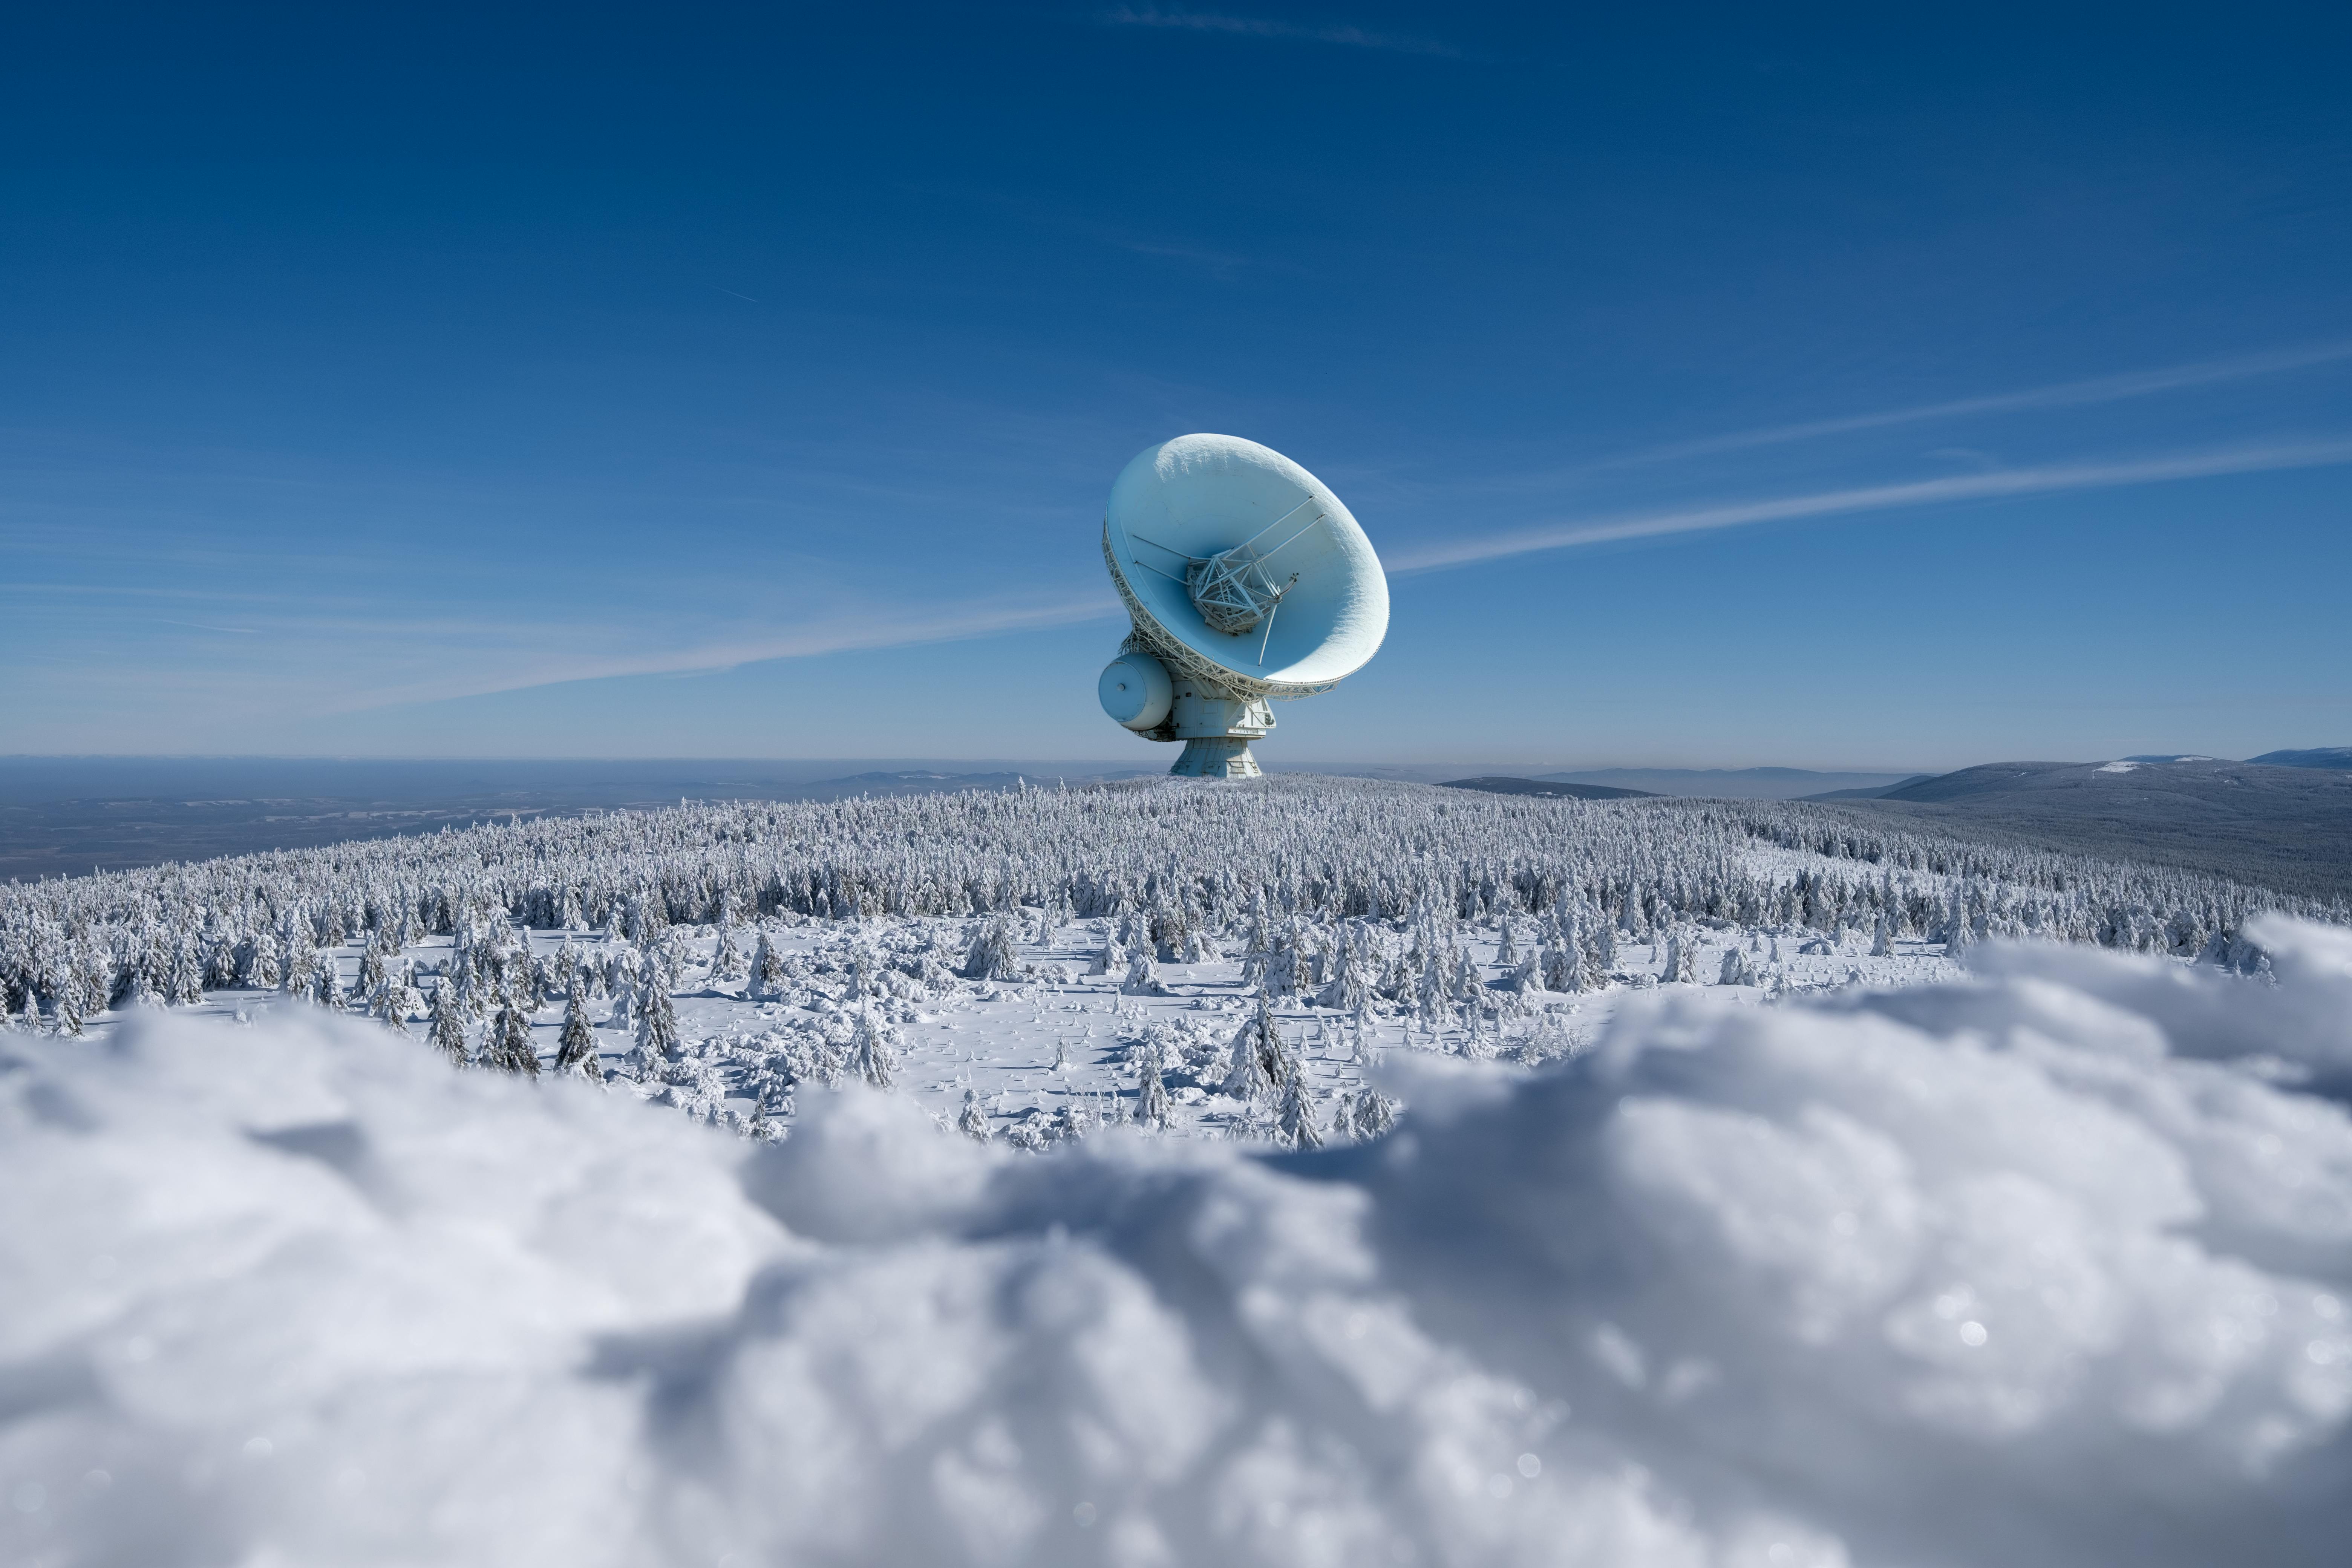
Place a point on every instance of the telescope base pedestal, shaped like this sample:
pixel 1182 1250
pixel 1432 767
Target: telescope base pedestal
pixel 1217 757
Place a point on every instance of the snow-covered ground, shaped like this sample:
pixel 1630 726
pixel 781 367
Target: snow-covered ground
pixel 1051 1047
pixel 2049 1264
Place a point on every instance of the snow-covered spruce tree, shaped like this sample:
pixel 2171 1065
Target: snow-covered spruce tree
pixel 396 1001
pixel 1375 1113
pixel 1739 969
pixel 447 1031
pixel 1295 1122
pixel 187 971
pixel 371 971
pixel 767 970
pixel 510 1047
pixel 1343 1117
pixel 142 991
pixel 622 976
pixel 1507 952
pixel 1257 1058
pixel 657 1036
pixel 1142 976
pixel 299 977
pixel 872 1054
pixel 1881 936
pixel 973 1120
pixel 1678 964
pixel 1525 979
pixel 1152 1105
pixel 575 1047
pixel 1563 966
pixel 1109 958
pixel 324 991
pixel 1347 987
pixel 726 961
pixel 992 956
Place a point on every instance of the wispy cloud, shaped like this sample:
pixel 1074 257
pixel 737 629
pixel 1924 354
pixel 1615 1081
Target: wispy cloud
pixel 1270 27
pixel 2060 394
pixel 2041 481
pixel 844 634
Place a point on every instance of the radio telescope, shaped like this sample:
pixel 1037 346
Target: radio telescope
pixel 1248 583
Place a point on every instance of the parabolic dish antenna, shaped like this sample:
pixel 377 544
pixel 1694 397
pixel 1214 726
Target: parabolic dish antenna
pixel 1247 583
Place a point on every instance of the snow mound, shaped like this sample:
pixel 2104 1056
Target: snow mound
pixel 2046 1266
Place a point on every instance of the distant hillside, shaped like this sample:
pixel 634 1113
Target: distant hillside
pixel 1727 784
pixel 2338 757
pixel 1549 789
pixel 1876 794
pixel 2284 827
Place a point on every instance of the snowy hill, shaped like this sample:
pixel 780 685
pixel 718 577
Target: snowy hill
pixel 1174 1172
pixel 2049 1267
pixel 2286 827
pixel 1550 789
pixel 2337 757
pixel 1730 784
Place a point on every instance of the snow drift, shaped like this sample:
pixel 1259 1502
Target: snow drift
pixel 2048 1266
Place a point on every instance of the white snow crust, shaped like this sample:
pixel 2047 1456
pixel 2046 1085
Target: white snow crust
pixel 2049 1264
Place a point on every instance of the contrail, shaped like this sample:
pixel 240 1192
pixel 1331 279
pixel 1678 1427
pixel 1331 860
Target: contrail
pixel 1875 498
pixel 2062 394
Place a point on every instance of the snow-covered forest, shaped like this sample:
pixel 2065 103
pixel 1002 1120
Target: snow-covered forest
pixel 1033 963
pixel 1302 1173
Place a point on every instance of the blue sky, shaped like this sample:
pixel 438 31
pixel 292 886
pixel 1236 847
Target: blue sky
pixel 1721 390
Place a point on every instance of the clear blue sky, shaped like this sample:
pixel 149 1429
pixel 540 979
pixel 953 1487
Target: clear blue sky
pixel 1746 387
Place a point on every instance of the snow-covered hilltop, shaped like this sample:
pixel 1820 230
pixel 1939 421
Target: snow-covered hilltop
pixel 1030 964
pixel 1294 1174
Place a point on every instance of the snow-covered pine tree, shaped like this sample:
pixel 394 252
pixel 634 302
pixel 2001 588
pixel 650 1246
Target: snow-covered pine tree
pixel 1563 966
pixel 657 1034
pixel 265 972
pixel 371 970
pixel 992 956
pixel 1343 1117
pixel 187 971
pixel 300 976
pixel 1375 1113
pixel 1152 1102
pixel 447 1031
pixel 1142 976
pixel 1677 964
pixel 142 991
pixel 767 970
pixel 575 1047
pixel 973 1120
pixel 1526 978
pixel 509 1045
pixel 1295 1122
pixel 726 961
pixel 1257 1057
pixel 872 1055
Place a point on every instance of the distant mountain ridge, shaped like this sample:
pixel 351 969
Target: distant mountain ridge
pixel 2288 827
pixel 1547 789
pixel 2338 757
pixel 1729 783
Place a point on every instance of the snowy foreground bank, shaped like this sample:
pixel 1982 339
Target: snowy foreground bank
pixel 2047 1265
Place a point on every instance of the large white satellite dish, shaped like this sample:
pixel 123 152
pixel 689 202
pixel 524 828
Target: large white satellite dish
pixel 1247 582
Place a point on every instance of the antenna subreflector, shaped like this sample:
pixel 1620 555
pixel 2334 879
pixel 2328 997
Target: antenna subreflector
pixel 1247 583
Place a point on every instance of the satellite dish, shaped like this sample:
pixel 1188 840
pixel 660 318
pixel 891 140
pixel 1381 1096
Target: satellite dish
pixel 1247 583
